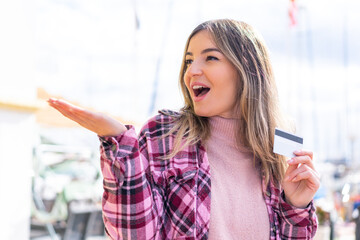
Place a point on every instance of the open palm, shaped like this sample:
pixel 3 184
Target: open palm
pixel 96 122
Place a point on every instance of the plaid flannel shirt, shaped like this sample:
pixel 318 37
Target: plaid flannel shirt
pixel 147 197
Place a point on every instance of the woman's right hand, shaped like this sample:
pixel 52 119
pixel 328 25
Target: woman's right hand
pixel 98 123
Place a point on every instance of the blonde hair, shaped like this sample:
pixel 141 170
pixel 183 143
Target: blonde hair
pixel 256 99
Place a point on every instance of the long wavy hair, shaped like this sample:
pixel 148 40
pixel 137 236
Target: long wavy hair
pixel 257 105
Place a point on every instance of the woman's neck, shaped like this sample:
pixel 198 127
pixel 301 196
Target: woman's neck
pixel 223 129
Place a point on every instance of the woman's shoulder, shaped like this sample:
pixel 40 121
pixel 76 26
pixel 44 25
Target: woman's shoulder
pixel 161 123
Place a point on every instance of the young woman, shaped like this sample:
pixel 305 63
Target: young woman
pixel 208 171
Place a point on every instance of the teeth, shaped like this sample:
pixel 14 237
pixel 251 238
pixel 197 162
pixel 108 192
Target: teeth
pixel 197 87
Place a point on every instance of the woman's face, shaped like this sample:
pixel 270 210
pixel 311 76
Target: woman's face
pixel 210 78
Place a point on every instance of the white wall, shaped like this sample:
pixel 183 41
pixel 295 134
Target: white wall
pixel 17 122
pixel 16 143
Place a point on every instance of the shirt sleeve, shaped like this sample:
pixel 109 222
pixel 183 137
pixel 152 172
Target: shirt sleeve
pixel 297 223
pixel 129 208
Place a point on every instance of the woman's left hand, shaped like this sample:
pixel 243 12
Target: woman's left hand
pixel 301 180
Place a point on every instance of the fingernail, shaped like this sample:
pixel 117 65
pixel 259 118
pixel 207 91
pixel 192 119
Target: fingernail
pixel 290 160
pixel 286 178
pixel 297 151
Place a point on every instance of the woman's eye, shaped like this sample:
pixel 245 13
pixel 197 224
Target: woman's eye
pixel 188 61
pixel 209 58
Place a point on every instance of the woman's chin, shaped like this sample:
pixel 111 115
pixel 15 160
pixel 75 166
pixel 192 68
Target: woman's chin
pixel 203 113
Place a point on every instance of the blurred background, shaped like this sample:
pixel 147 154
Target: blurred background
pixel 123 58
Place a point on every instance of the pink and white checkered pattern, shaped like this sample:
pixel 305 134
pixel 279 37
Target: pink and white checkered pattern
pixel 146 197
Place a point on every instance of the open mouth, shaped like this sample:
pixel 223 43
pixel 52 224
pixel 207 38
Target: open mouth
pixel 200 90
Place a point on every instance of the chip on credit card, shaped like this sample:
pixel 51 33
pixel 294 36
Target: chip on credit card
pixel 286 143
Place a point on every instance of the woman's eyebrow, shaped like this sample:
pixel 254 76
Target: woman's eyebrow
pixel 210 50
pixel 204 51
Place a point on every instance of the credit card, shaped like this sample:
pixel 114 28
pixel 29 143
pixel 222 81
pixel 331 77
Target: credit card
pixel 286 143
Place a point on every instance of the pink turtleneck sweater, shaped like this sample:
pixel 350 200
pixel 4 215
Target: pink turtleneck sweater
pixel 238 210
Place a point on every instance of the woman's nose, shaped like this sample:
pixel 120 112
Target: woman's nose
pixel 194 69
